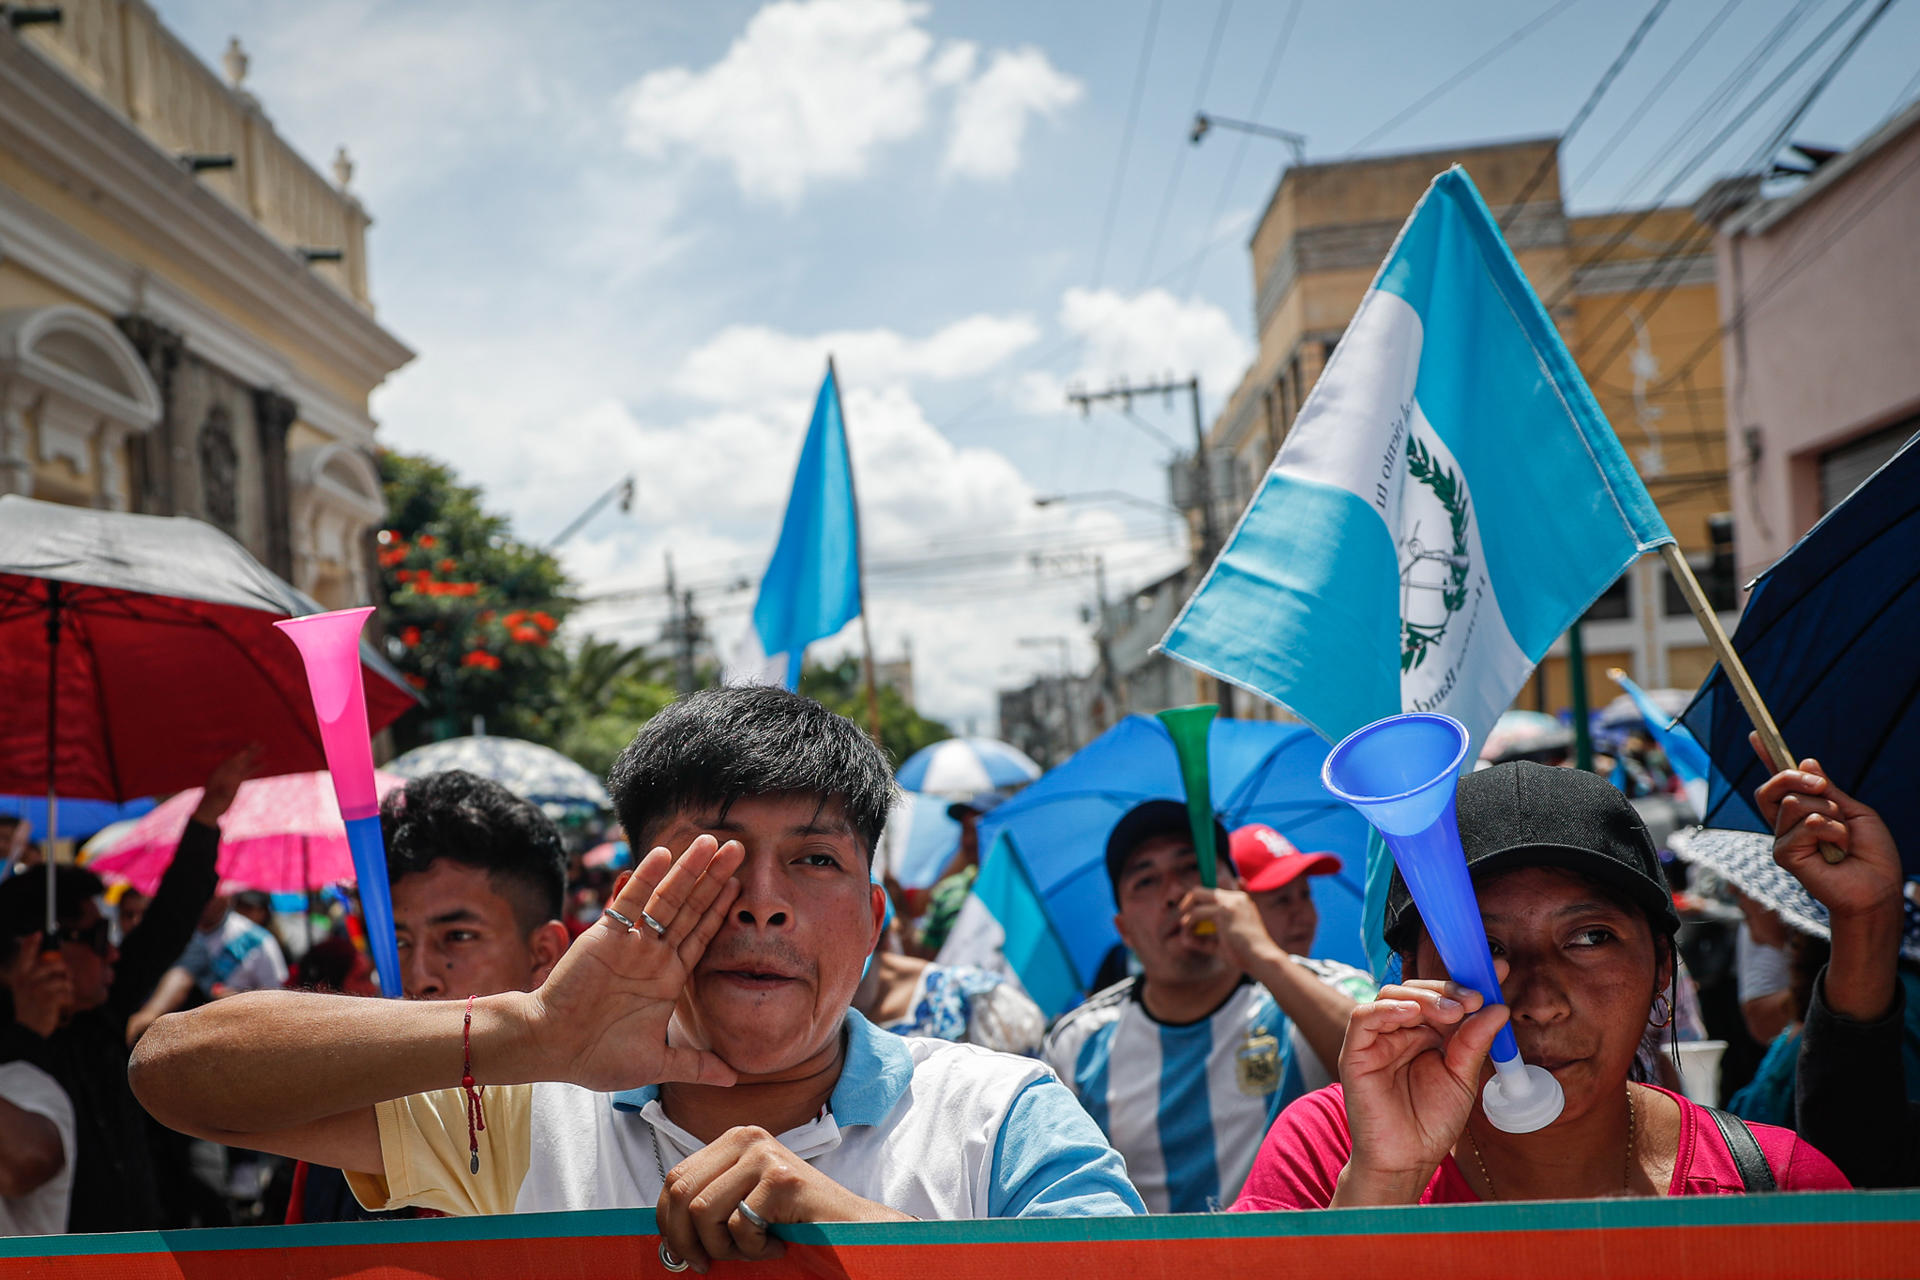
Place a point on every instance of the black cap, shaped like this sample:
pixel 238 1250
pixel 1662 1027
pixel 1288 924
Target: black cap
pixel 1152 818
pixel 1525 814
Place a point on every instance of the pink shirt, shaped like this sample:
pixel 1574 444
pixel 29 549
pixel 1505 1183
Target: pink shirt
pixel 1300 1161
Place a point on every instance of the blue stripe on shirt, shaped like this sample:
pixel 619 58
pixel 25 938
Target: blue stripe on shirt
pixel 1186 1119
pixel 1090 1074
pixel 1050 1162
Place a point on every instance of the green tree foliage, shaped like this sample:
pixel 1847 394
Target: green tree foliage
pixel 471 612
pixel 843 688
pixel 608 691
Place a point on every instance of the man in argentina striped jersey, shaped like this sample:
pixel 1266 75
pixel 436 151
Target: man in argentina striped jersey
pixel 1185 1066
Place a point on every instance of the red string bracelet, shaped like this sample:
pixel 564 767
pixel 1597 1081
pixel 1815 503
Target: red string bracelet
pixel 476 1114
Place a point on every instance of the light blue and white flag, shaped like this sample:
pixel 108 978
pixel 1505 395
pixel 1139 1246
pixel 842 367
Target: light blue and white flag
pixel 812 585
pixel 1683 751
pixel 1003 928
pixel 1449 501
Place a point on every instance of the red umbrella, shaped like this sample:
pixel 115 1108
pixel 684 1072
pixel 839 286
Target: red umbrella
pixel 137 652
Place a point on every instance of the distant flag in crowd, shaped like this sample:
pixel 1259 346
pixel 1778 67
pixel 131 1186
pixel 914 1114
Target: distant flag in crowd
pixel 1449 501
pixel 1003 928
pixel 811 588
pixel 1683 751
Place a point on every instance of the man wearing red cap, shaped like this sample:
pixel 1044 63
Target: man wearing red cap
pixel 1275 875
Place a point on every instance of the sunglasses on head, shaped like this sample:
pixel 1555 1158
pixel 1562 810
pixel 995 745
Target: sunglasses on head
pixel 97 937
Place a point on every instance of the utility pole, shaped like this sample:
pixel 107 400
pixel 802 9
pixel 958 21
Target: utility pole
pixel 1202 473
pixel 1102 639
pixel 682 631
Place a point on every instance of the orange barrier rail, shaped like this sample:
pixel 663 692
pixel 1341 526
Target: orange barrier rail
pixel 1836 1234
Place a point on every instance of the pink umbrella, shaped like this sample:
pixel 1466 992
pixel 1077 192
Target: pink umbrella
pixel 282 835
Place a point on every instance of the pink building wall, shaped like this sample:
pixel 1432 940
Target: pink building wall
pixel 1828 347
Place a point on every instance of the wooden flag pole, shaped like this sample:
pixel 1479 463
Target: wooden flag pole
pixel 1771 740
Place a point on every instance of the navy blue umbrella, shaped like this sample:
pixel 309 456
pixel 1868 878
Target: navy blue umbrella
pixel 1831 636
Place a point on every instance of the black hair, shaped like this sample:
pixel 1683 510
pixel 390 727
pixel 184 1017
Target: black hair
pixel 23 901
pixel 712 748
pixel 476 822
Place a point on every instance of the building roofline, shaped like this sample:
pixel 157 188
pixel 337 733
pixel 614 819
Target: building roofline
pixel 1759 217
pixel 1393 157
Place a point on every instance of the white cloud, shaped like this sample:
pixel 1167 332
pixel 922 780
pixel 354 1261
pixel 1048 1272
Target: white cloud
pixel 811 90
pixel 1152 334
pixel 807 91
pixel 990 117
pixel 748 363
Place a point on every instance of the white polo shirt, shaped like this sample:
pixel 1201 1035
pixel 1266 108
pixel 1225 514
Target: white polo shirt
pixel 43 1210
pixel 926 1127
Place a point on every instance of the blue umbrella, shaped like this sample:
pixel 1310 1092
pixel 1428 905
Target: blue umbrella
pixel 1831 636
pixel 1261 772
pixel 527 769
pixel 966 766
pixel 921 839
pixel 77 817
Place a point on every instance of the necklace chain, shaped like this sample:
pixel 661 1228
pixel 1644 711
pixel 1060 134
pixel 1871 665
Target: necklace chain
pixel 1633 1118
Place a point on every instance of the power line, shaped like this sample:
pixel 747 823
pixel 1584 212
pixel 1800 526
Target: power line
pixel 1440 90
pixel 1672 263
pixel 1240 151
pixel 1126 142
pixel 1586 109
pixel 1653 94
pixel 1180 155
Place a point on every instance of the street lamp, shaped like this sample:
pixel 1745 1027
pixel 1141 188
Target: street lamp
pixel 1106 495
pixel 1202 123
pixel 623 489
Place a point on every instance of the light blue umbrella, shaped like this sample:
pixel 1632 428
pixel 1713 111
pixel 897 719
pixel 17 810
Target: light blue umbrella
pixel 921 839
pixel 966 766
pixel 1261 772
pixel 77 817
pixel 527 769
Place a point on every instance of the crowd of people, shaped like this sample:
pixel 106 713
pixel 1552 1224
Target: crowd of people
pixel 740 1032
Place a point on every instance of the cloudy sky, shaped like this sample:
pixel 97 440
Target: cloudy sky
pixel 625 236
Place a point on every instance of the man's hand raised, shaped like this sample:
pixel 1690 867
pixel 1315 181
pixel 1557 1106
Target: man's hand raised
pixel 603 1012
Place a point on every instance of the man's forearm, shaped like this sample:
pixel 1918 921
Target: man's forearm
pixel 273 1060
pixel 1861 972
pixel 1317 1009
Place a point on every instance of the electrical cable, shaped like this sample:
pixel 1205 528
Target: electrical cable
pixel 1126 143
pixel 1180 156
pixel 1653 95
pixel 1438 91
pixel 1668 267
pixel 1240 149
pixel 1598 92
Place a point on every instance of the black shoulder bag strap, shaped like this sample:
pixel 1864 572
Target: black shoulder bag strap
pixel 1755 1173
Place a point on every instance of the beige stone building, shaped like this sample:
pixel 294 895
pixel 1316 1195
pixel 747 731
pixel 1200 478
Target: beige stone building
pixel 1633 295
pixel 185 326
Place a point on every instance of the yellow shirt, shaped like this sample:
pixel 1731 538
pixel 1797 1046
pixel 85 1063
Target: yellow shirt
pixel 423 1148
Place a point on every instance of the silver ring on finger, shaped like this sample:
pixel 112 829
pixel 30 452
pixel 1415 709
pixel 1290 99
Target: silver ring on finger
pixel 670 1260
pixel 745 1210
pixel 659 929
pixel 618 919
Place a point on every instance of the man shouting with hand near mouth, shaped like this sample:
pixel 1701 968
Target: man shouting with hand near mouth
pixel 694 1050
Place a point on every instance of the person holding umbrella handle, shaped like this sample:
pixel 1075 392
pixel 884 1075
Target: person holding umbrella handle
pixel 1850 1087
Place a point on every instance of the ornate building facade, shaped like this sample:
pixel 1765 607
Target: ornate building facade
pixel 185 326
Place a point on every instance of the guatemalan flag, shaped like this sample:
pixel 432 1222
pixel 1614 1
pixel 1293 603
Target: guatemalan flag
pixel 811 587
pixel 1449 501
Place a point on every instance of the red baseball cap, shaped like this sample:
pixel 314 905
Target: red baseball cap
pixel 1265 859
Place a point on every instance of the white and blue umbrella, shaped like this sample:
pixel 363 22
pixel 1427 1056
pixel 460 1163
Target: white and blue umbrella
pixel 527 769
pixel 966 766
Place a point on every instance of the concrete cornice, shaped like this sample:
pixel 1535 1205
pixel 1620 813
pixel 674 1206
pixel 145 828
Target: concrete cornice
pixel 80 143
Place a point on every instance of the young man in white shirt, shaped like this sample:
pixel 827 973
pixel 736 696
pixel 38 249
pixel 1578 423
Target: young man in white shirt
pixel 706 1013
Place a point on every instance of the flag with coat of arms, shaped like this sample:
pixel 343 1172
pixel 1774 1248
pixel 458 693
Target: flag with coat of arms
pixel 1449 501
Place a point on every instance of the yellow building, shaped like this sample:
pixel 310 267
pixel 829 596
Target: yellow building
pixel 185 326
pixel 1633 295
